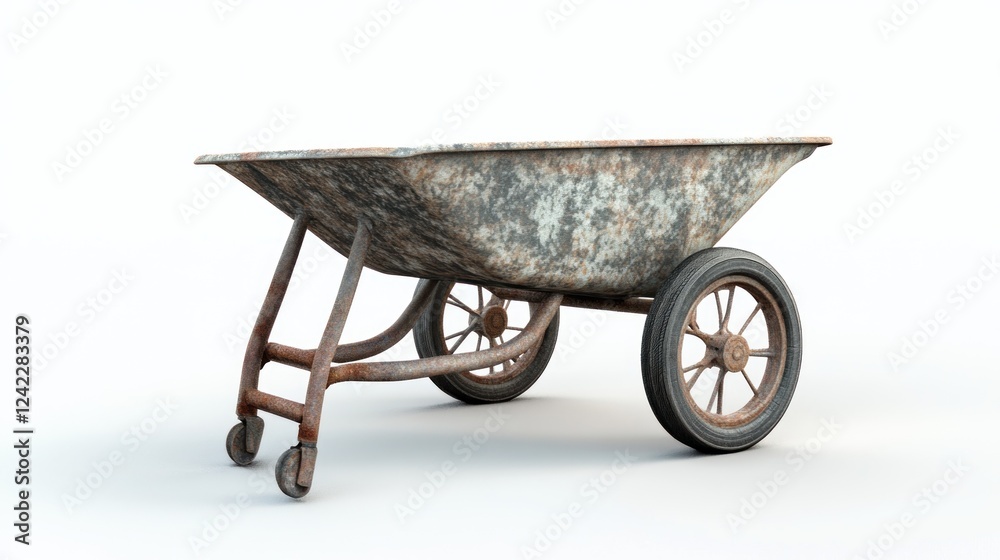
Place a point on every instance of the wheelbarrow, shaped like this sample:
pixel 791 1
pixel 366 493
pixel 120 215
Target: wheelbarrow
pixel 501 235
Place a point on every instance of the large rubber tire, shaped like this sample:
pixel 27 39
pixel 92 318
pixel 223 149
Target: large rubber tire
pixel 670 320
pixel 428 335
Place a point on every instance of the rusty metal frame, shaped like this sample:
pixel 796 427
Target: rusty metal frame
pixel 638 305
pixel 323 356
pixel 253 360
pixel 354 351
pixel 318 361
pixel 411 369
pixel 329 351
pixel 452 363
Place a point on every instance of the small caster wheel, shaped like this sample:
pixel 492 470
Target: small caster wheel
pixel 241 444
pixel 286 471
pixel 236 446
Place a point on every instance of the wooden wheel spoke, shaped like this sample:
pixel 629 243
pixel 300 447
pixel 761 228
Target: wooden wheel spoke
pixel 694 378
pixel 460 340
pixel 763 353
pixel 455 301
pixel 501 338
pixel 480 289
pixel 722 383
pixel 700 364
pixel 697 332
pixel 479 343
pixel 750 383
pixel 694 329
pixel 515 329
pixel 750 318
pixel 492 344
pixel 718 306
pixel 729 309
pixel 716 392
pixel 460 333
pixel 506 303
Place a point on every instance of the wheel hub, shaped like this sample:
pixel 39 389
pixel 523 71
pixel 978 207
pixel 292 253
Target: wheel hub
pixel 494 321
pixel 728 351
pixel 735 353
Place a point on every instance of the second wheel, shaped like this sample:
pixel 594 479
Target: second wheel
pixel 465 318
pixel 721 350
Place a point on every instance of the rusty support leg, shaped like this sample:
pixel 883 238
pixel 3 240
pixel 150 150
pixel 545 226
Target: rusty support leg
pixel 320 371
pixel 254 358
pixel 354 351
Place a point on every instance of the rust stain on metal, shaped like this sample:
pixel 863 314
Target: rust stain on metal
pixel 354 351
pixel 525 341
pixel 601 219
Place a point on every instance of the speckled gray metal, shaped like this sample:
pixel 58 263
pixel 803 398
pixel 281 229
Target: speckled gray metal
pixel 604 219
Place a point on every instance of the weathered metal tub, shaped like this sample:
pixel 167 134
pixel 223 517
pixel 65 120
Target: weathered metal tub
pixel 603 219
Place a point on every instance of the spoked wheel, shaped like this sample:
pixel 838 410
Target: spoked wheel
pixel 721 350
pixel 465 318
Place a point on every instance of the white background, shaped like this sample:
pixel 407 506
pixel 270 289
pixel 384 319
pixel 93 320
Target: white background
pixel 197 254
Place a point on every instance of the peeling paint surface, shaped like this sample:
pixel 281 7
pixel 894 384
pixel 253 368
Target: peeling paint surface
pixel 603 219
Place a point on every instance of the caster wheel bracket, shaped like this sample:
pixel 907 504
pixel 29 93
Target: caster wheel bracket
pixel 254 432
pixel 307 464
